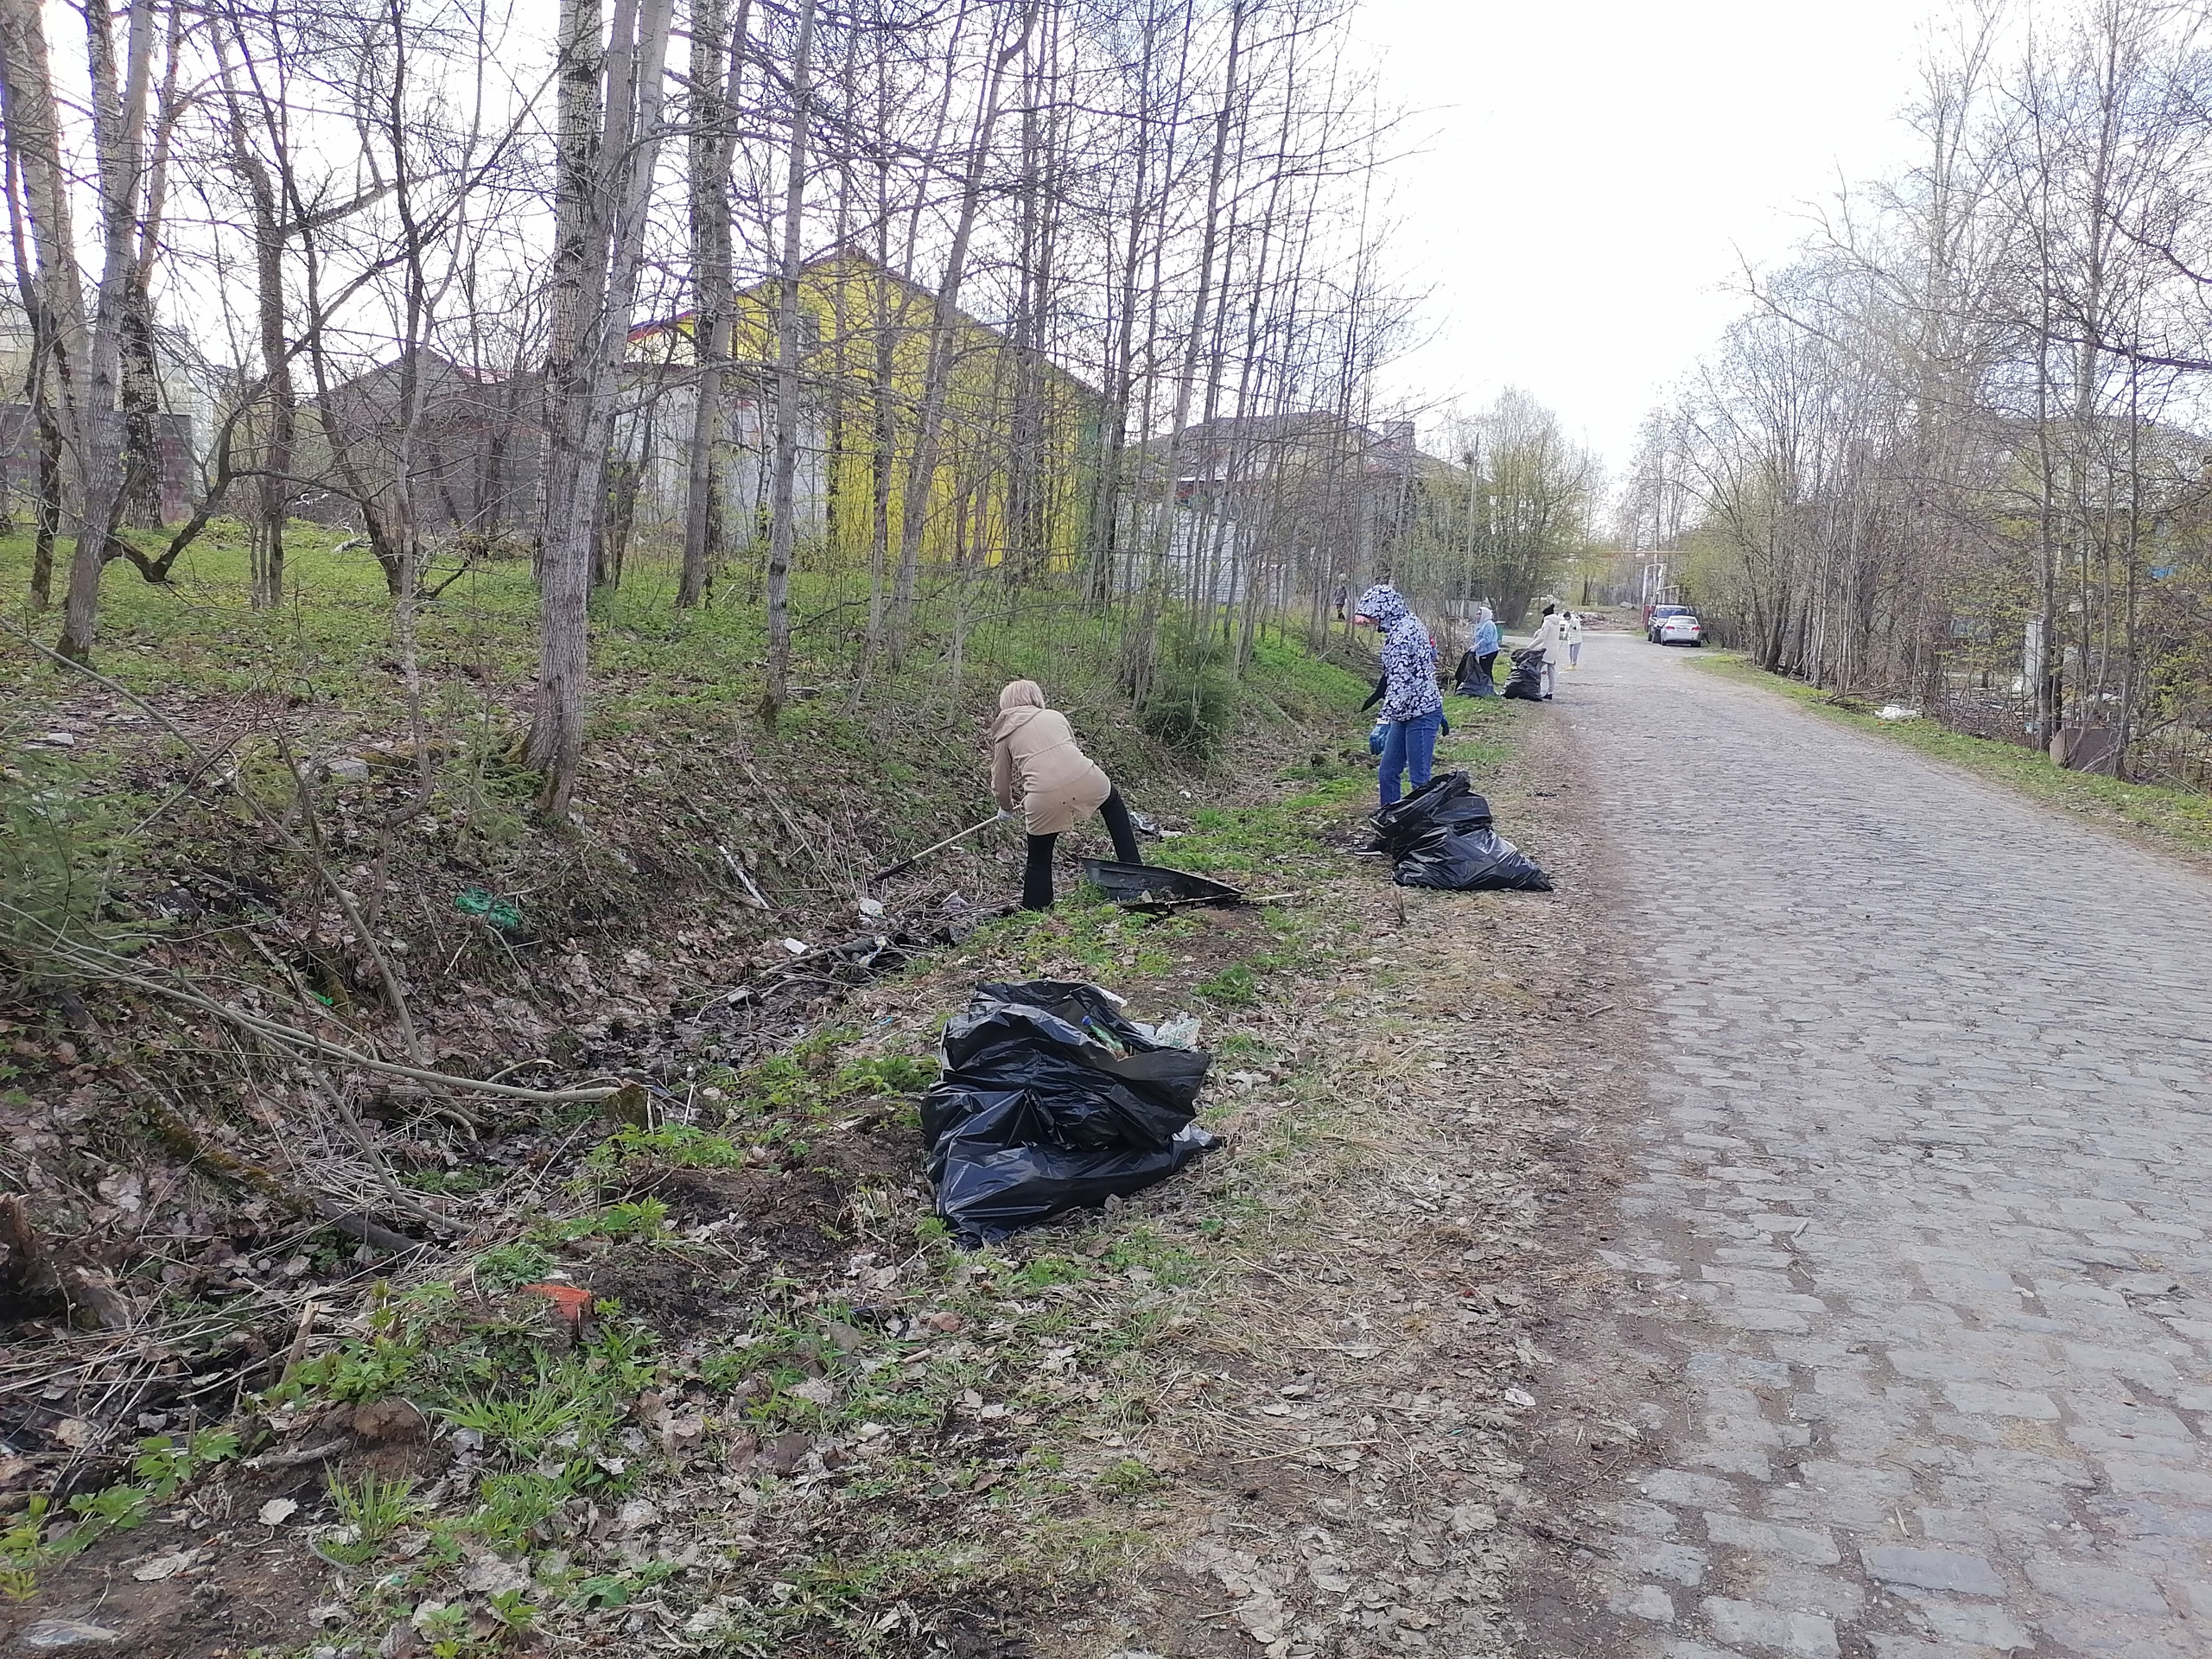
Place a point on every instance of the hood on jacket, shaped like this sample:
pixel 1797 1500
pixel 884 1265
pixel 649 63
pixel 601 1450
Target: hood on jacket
pixel 1384 605
pixel 1018 704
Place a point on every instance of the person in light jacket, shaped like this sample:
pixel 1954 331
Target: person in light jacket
pixel 1570 631
pixel 1035 763
pixel 1484 681
pixel 1410 700
pixel 1551 641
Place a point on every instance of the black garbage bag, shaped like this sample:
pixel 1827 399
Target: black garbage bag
pixel 1445 802
pixel 1051 1099
pixel 1440 835
pixel 997 1170
pixel 1527 679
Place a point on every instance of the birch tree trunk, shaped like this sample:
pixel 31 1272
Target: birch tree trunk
pixel 53 297
pixel 944 318
pixel 604 184
pixel 280 421
pixel 141 385
pixel 40 387
pixel 717 60
pixel 783 507
pixel 118 133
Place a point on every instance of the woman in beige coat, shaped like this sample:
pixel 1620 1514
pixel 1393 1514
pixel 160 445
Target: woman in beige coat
pixel 1034 761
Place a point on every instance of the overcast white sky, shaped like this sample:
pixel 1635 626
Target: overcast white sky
pixel 1594 166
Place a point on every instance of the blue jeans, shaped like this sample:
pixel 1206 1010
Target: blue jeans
pixel 1409 746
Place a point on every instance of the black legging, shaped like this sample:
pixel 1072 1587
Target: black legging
pixel 1036 879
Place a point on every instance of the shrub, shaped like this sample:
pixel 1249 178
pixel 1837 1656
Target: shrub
pixel 54 865
pixel 1193 702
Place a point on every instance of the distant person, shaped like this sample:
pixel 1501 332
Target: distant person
pixel 1410 700
pixel 1550 640
pixel 1035 762
pixel 1473 677
pixel 1486 643
pixel 1343 594
pixel 1571 632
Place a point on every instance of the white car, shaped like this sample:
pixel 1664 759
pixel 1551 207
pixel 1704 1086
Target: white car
pixel 1680 629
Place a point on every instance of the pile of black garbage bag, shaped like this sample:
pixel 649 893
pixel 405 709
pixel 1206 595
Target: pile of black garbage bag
pixel 1050 1100
pixel 1440 837
pixel 1526 681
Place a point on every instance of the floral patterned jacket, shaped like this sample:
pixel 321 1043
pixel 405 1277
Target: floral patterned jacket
pixel 1409 661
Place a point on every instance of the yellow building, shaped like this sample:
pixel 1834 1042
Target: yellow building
pixel 1016 449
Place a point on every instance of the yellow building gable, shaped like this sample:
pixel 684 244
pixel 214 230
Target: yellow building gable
pixel 1019 441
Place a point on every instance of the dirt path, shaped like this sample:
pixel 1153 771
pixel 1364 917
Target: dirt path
pixel 1343 1436
pixel 1914 1252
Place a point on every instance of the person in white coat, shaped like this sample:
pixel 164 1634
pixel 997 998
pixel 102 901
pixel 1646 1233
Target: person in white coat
pixel 1551 640
pixel 1570 634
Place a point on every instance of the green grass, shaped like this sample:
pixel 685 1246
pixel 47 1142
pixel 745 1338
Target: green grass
pixel 679 762
pixel 2179 820
pixel 330 647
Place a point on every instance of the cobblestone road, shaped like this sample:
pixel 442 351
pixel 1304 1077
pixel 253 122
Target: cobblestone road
pixel 1921 1216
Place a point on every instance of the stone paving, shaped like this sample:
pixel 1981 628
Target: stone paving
pixel 1921 1216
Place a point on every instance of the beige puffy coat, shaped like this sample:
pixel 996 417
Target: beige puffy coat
pixel 1034 761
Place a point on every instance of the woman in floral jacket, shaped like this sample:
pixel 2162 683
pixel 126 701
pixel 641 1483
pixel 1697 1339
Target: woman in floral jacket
pixel 1411 703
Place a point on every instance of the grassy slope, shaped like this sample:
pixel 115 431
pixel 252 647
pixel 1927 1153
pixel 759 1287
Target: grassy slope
pixel 678 762
pixel 988 1470
pixel 2175 819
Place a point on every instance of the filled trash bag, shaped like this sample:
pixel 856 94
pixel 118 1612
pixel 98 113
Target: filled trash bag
pixel 1051 1100
pixel 993 1180
pixel 1527 679
pixel 1440 835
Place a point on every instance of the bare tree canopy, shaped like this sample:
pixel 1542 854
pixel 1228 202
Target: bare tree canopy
pixel 1957 451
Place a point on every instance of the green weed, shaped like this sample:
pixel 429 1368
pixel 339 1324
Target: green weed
pixel 374 1508
pixel 1129 1477
pixel 526 1424
pixel 1233 987
pixel 506 1266
pixel 23 1551
pixel 680 1146
pixel 167 1466
pixel 644 1219
pixel 120 1508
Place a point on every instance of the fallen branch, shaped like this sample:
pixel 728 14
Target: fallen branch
pixel 738 869
pixel 101 966
pixel 298 1455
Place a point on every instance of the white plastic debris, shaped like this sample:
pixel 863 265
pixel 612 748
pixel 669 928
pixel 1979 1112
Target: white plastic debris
pixel 1897 711
pixel 47 1634
pixel 167 1565
pixel 1180 1032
